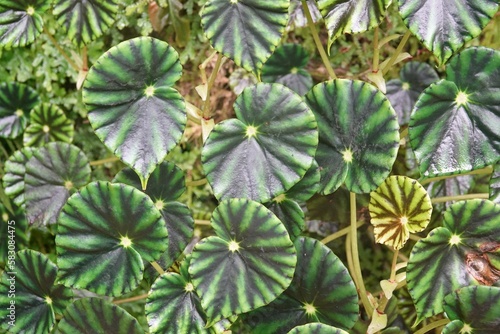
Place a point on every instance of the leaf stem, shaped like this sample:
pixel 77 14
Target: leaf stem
pixel 317 41
pixel 103 161
pixel 157 267
pixel 432 325
pixel 376 54
pixel 207 114
pixel 202 222
pixel 384 300
pixel 59 48
pixel 340 233
pixel 396 54
pixel 486 170
pixel 196 183
pixel 459 197
pixel 131 299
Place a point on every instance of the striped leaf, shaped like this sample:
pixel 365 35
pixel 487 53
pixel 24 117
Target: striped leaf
pixel 321 291
pixel 316 328
pixel 84 21
pixel 287 66
pixel 95 315
pixel 290 214
pixel 29 299
pixel 307 186
pixel 444 26
pixel 475 306
pixel 404 92
pixel 454 125
pixel 165 186
pixel 16 102
pixel 264 152
pixel 494 184
pixel 15 170
pixel 14 232
pixel 454 327
pixel 53 173
pixel 102 233
pixel 398 207
pixel 48 123
pixel 466 244
pixel 247 31
pixel 351 16
pixel 133 108
pixel 21 21
pixel 248 264
pixel 298 18
pixel 358 135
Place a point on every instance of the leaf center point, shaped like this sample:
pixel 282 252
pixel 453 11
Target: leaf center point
pixel 467 329
pixel 149 91
pixel 68 184
pixel 462 99
pixel 189 287
pixel 233 1
pixel 403 220
pixel 405 86
pixel 5 217
pixel 310 309
pixel 251 131
pixel 280 198
pixel 294 70
pixel 48 300
pixel 125 242
pixel 455 240
pixel 30 10
pixel 19 112
pixel 46 129
pixel 233 246
pixel 160 204
pixel 347 155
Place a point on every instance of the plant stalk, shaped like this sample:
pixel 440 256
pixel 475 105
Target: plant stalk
pixel 486 170
pixel 340 233
pixel 317 41
pixel 376 53
pixel 432 325
pixel 103 161
pixel 459 197
pixel 202 222
pixel 157 267
pixel 131 299
pixel 398 51
pixel 207 114
pixel 383 300
pixel 59 48
pixel 196 183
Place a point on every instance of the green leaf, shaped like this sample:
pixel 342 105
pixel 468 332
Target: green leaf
pixel 321 291
pixel 21 21
pixel 16 101
pixel 166 185
pixel 15 170
pixel 358 135
pixel 351 16
pixel 477 307
pixel 13 230
pixel 102 233
pixel 266 150
pixel 398 207
pixel 298 18
pixel 307 186
pixel 84 21
pixel 29 298
pixel 453 127
pixel 95 315
pixel 494 184
pixel 247 265
pixel 290 214
pixel 247 31
pixel 444 26
pixel 465 244
pixel 453 327
pixel 133 108
pixel 404 92
pixel 287 66
pixel 48 123
pixel 316 328
pixel 52 174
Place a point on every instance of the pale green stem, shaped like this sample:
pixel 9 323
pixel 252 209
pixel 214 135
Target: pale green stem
pixel 396 54
pixel 202 222
pixel 131 299
pixel 383 299
pixel 486 170
pixel 459 198
pixel 432 325
pixel 157 267
pixel 196 183
pixel 207 114
pixel 58 47
pixel 376 54
pixel 403 133
pixel 340 233
pixel 103 161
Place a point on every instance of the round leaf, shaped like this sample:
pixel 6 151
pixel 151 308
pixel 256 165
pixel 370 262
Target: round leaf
pixel 13 179
pixel 321 291
pixel 444 26
pixel 287 66
pixel 307 186
pixel 247 265
pixel 454 125
pixel 476 306
pixel 264 152
pixel 95 315
pixel 52 174
pixel 398 207
pixel 103 231
pixel 358 135
pixel 84 21
pixel 13 230
pixel 351 16
pixel 494 184
pixel 21 21
pixel 290 214
pixel 465 244
pixel 453 327
pixel 48 123
pixel 16 101
pixel 404 92
pixel 132 105
pixel 316 328
pixel 29 298
pixel 247 31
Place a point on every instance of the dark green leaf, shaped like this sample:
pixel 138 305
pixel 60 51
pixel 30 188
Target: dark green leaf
pixel 15 170
pixel 21 21
pixel 95 315
pixel 494 184
pixel 445 25
pixel 453 327
pixel 84 21
pixel 52 174
pixel 16 102
pixel 454 126
pixel 358 135
pixel 132 105
pixel 459 254
pixel 28 296
pixel 13 232
pixel 287 66
pixel 307 186
pixel 247 31
pixel 48 123
pixel 102 233
pixel 247 265
pixel 290 214
pixel 321 291
pixel 316 328
pixel 264 152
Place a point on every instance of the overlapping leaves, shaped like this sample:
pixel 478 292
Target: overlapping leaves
pixel 16 102
pixel 15 170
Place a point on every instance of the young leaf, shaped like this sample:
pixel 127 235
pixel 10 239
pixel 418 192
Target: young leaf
pixel 15 170
pixel 103 231
pixel 16 102
pixel 247 31
pixel 358 135
pixel 266 150
pixel 132 105
pixel 248 264
pixel 48 123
